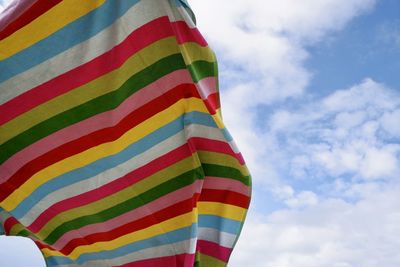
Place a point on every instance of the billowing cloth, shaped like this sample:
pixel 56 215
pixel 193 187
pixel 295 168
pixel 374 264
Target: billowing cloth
pixel 113 150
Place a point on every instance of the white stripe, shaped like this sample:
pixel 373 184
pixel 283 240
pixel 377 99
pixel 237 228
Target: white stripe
pixel 187 246
pixel 177 13
pixel 209 133
pixel 213 235
pixel 4 216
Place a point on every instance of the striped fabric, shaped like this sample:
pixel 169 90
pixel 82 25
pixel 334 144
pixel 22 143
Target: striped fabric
pixel 113 151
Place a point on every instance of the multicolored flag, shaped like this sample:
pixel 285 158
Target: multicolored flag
pixel 112 147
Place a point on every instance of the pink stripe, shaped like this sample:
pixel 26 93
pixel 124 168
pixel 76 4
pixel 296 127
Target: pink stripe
pixel 183 260
pixel 221 183
pixel 158 204
pixel 13 11
pixel 113 187
pixel 100 121
pixel 185 34
pixel 214 250
pixel 207 87
pixel 186 260
pixel 216 146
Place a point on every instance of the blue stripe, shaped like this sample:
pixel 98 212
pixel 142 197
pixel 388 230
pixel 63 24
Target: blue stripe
pixel 109 162
pixel 221 224
pixel 186 5
pixel 181 3
pixel 2 232
pixel 163 239
pixel 209 121
pixel 227 135
pixel 67 37
pixel 199 118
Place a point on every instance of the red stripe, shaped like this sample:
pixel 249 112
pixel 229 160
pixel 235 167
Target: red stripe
pixel 41 246
pixel 225 196
pixel 214 250
pixel 216 146
pixel 182 260
pixel 142 37
pixel 37 9
pixel 9 224
pixel 101 136
pixel 212 103
pixel 185 34
pixel 133 177
pixel 175 210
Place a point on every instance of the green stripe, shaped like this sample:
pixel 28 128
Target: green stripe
pixel 202 69
pixel 226 172
pixel 172 185
pixel 103 103
pixel 203 260
pixel 24 233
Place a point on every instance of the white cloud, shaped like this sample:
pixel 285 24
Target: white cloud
pixel 348 120
pixel 380 163
pixel 360 97
pixel 344 144
pixel 261 46
pixel 267 39
pixel 330 233
pixel 390 123
pixel 302 199
pixel 334 162
pixel 342 134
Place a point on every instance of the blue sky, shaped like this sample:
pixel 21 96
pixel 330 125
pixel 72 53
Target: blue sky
pixel 368 46
pixel 311 93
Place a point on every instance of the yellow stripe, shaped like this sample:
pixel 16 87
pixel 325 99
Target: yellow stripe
pixel 16 228
pixel 46 24
pixel 170 225
pixel 207 260
pixel 100 86
pixel 190 55
pixel 121 196
pixel 223 160
pixel 221 210
pixel 101 151
pixel 218 120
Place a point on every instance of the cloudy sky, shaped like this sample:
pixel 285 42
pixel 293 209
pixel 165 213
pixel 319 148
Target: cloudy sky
pixel 311 93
